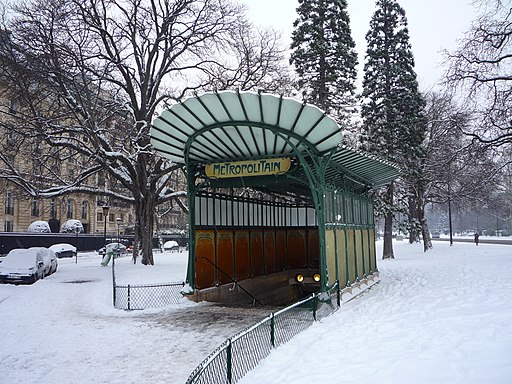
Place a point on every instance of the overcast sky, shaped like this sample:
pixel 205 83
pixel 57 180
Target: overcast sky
pixel 434 25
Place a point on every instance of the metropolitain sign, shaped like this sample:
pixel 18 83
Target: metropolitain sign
pixel 248 168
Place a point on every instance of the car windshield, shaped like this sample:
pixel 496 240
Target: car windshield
pixel 20 259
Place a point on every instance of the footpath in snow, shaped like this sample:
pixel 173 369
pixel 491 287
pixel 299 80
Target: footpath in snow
pixel 440 317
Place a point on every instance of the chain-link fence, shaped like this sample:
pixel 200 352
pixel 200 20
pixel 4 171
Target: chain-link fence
pixel 143 296
pixel 242 352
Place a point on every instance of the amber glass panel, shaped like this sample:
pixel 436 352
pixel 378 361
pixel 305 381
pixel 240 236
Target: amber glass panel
pixel 313 248
pixel 296 248
pixel 257 253
pixel 366 252
pixel 373 255
pixel 359 252
pixel 205 259
pixel 331 255
pixel 351 255
pixel 225 257
pixel 342 257
pixel 281 249
pixel 242 258
pixel 270 251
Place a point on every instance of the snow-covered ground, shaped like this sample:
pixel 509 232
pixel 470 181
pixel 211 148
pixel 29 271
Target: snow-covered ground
pixel 440 317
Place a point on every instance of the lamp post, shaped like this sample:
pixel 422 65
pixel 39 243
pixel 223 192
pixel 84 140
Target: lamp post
pixel 118 222
pixel 116 253
pixel 105 215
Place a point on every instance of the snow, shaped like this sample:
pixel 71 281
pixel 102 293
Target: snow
pixel 72 226
pixel 39 227
pixel 439 317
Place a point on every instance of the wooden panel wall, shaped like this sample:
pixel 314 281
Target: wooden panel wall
pixel 242 258
pixel 225 257
pixel 205 259
pixel 244 253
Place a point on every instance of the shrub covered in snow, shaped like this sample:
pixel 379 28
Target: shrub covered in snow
pixel 72 226
pixel 39 227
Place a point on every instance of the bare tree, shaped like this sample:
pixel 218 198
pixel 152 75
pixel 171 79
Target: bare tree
pixel 481 68
pixel 460 171
pixel 92 74
pixel 256 62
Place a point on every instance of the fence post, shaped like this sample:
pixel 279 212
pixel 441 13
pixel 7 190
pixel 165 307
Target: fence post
pixel 129 297
pixel 113 280
pixel 314 306
pixel 228 358
pixel 272 330
pixel 338 294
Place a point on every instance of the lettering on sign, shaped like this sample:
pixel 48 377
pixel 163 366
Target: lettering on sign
pixel 248 168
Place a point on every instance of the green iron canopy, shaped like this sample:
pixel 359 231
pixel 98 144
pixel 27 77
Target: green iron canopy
pixel 234 126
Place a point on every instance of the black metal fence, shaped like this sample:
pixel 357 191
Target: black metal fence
pixel 242 352
pixel 143 296
pixel 82 241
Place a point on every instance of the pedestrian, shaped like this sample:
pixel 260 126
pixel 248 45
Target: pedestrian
pixel 476 237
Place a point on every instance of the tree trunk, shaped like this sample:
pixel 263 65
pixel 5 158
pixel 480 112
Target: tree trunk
pixel 425 232
pixel 388 225
pixel 146 211
pixel 413 217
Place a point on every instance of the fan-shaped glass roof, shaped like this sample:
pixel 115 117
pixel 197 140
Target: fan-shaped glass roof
pixel 232 126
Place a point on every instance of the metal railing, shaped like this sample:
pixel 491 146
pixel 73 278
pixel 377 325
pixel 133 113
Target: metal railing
pixel 242 352
pixel 143 296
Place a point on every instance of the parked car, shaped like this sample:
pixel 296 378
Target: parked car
pixel 436 235
pixel 172 246
pixel 63 250
pixel 49 258
pixel 113 247
pixel 22 266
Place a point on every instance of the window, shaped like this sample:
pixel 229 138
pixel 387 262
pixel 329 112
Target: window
pixel 8 226
pixel 34 211
pixel 69 209
pixel 85 210
pixel 9 203
pixel 99 216
pixel 111 217
pixel 53 209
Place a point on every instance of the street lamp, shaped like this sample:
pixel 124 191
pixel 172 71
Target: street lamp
pixel 116 253
pixel 105 215
pixel 118 222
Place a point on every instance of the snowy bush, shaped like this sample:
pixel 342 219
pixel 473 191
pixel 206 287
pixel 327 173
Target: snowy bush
pixel 72 226
pixel 39 227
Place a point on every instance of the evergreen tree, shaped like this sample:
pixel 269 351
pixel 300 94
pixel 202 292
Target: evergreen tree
pixel 392 111
pixel 324 56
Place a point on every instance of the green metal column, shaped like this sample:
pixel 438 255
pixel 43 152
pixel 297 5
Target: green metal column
pixel 191 197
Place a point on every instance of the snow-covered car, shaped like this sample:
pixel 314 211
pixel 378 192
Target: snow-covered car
pixel 22 266
pixel 113 247
pixel 63 250
pixel 49 258
pixel 171 245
